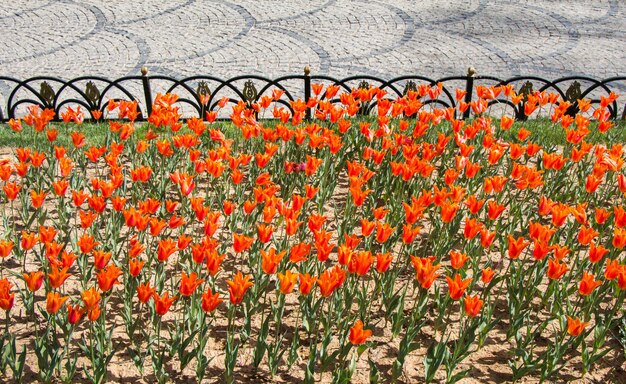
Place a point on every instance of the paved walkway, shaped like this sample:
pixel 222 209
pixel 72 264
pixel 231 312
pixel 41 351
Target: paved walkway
pixel 69 38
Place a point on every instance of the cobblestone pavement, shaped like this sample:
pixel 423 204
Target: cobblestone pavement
pixel 70 38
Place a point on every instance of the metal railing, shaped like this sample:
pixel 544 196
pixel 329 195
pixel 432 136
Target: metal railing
pixel 200 94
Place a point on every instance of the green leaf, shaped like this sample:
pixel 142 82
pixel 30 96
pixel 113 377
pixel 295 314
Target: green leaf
pixel 374 373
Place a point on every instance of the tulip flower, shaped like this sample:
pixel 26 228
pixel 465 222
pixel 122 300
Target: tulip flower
pixel 306 282
pixel 210 301
pixel 57 276
pixel 575 327
pixel 108 277
pixel 516 246
pixel 54 302
pixel 189 283
pixel 238 287
pixel 6 247
pixel 473 305
pixel 74 314
pixel 135 265
pixel 588 284
pixel 34 280
pixel 458 259
pixel 163 303
pixel 457 286
pixel 287 281
pixel 6 297
pixel 145 292
pixel 241 243
pixel 270 260
pixel 358 335
pixel 425 270
pixel 556 269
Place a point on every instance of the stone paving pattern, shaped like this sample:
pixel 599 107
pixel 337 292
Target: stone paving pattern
pixel 386 38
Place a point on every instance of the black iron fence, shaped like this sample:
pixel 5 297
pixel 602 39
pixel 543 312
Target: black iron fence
pixel 199 94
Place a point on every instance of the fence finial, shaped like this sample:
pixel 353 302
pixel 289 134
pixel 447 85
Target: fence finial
pixel 307 70
pixel 471 71
pixel 144 71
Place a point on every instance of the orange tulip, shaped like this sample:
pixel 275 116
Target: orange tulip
pixel 358 335
pixel 330 280
pixel 210 300
pixel 473 204
pixel 367 227
pixel 91 298
pixel 108 277
pixel 448 211
pixel 54 302
pixel 425 270
pixel 494 209
pixel 214 261
pixel 33 280
pixel 57 277
pixel 597 252
pixel 540 250
pixel 101 258
pixel 299 252
pixel 383 231
pixel 487 275
pixel 516 246
pixel 166 248
pixel 12 190
pixel 238 286
pixel 6 298
pixel 409 233
pixel 486 237
pixel 241 243
pixel 37 198
pixel 316 222
pixel 575 327
pixel 163 303
pixel 457 286
pixel 145 292
pixel 612 269
pixel 619 238
pixel 270 260
pixel 588 284
pixel 556 269
pixel 472 228
pixel 559 212
pixel 602 215
pixel 494 184
pixel 189 283
pixel 383 261
pixel 361 262
pixel 74 314
pixel 458 259
pixel 287 281
pixel 306 283
pixel 265 232
pixel 473 305
pixel 60 187
pixel 6 246
pixel 621 278
pixel 135 266
pixel 586 235
pixel 87 243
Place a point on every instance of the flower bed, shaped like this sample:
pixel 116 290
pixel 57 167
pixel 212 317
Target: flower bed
pixel 391 248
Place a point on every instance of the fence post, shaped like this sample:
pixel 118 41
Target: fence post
pixel 307 91
pixel 147 92
pixel 469 89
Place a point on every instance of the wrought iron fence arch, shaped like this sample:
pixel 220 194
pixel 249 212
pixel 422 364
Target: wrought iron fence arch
pixel 25 92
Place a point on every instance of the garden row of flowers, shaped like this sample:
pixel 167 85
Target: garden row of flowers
pixel 310 244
